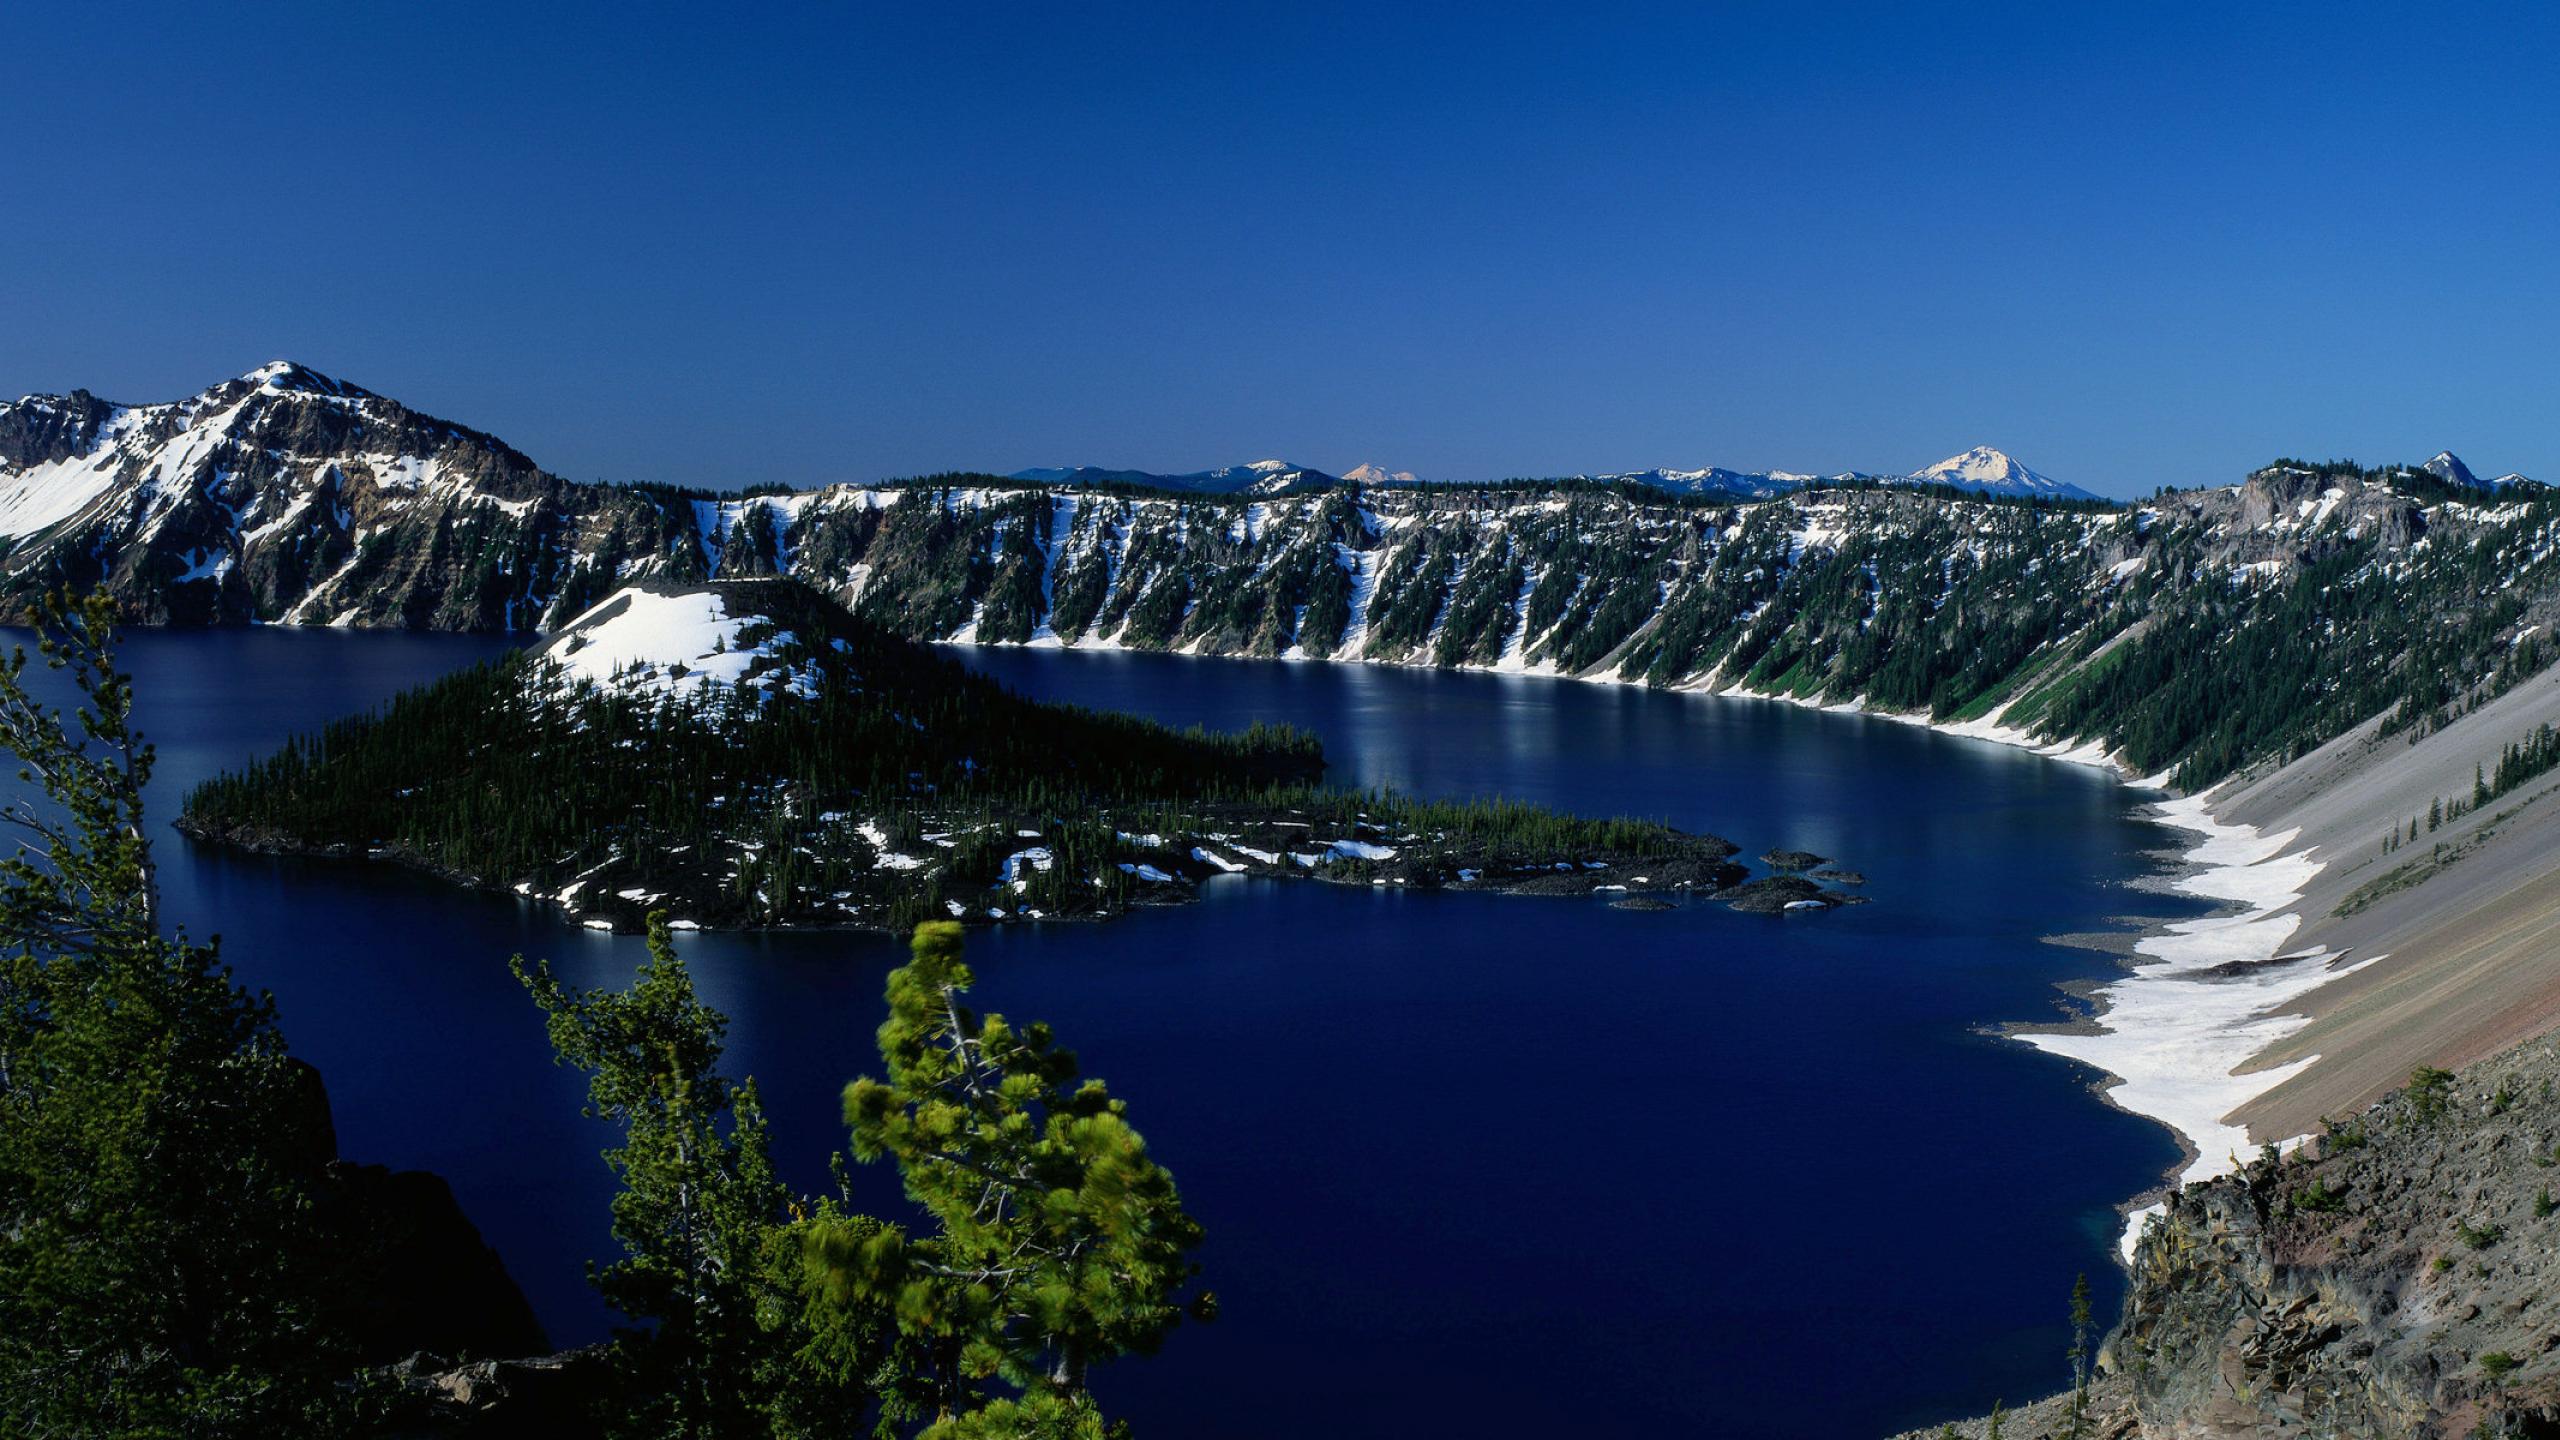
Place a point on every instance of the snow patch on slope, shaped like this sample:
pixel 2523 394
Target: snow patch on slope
pixel 2214 994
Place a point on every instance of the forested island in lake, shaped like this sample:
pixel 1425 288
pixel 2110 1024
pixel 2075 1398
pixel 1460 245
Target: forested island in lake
pixel 746 753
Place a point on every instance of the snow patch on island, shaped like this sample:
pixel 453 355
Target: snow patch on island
pixel 674 645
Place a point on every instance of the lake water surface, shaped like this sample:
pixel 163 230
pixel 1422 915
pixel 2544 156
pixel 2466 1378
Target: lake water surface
pixel 1469 1165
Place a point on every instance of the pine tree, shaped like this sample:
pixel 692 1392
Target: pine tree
pixel 1059 1242
pixel 699 1198
pixel 2081 1326
pixel 159 1153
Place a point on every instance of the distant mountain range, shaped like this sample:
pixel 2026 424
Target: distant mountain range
pixel 1982 470
pixel 286 496
pixel 1257 477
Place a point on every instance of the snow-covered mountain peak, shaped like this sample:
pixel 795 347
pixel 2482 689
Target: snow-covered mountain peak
pixel 285 377
pixel 1979 464
pixel 1369 472
pixel 1270 467
pixel 2448 467
pixel 1990 471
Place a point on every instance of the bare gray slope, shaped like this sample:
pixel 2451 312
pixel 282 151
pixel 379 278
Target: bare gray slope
pixel 2462 924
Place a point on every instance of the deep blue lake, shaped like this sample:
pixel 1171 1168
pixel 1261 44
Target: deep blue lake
pixel 1469 1165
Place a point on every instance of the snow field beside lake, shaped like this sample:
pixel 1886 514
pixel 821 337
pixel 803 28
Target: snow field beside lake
pixel 2213 995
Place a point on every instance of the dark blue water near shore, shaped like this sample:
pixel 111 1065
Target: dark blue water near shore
pixel 1469 1165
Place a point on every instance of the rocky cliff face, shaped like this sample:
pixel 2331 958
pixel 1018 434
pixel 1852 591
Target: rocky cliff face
pixel 413 1271
pixel 288 497
pixel 2392 1281
pixel 2395 1282
pixel 285 496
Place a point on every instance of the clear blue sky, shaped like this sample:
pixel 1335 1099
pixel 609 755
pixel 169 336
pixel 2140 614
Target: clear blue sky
pixel 843 243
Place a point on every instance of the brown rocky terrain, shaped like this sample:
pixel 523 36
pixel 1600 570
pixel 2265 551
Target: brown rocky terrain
pixel 2394 1280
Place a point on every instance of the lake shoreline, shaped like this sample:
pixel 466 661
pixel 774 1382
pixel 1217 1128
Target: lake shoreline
pixel 1705 875
pixel 2149 1029
pixel 2169 1014
pixel 2172 1038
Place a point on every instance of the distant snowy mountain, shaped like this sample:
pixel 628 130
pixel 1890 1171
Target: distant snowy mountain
pixel 1982 470
pixel 1986 471
pixel 1714 480
pixel 2448 467
pixel 1371 473
pixel 1257 477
